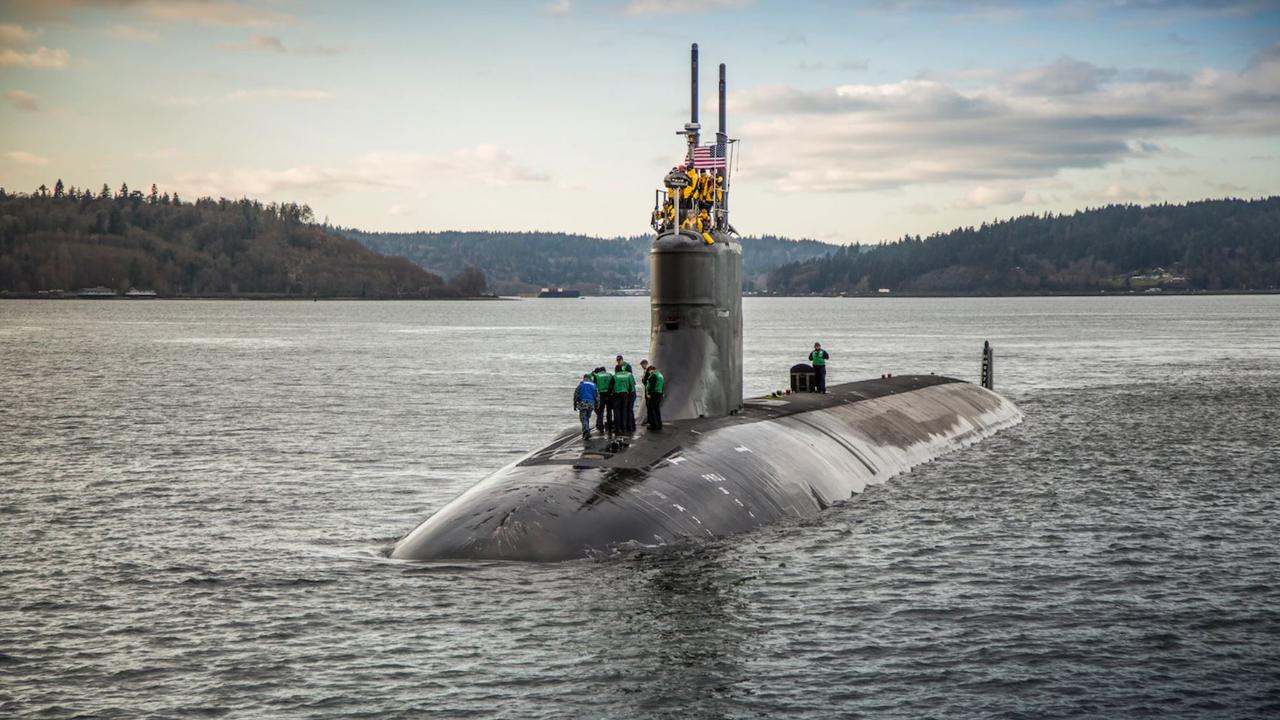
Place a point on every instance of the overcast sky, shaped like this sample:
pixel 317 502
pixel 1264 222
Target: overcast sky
pixel 859 121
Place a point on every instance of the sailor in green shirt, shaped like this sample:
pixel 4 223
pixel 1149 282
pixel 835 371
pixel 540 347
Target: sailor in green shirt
pixel 624 400
pixel 654 385
pixel 604 386
pixel 819 359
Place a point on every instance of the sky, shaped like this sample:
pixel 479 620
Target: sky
pixel 856 121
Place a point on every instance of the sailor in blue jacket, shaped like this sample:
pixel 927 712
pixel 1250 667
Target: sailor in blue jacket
pixel 584 401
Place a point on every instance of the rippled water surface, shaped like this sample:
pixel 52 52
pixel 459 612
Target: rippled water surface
pixel 195 496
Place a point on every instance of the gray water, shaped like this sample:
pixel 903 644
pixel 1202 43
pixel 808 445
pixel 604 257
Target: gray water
pixel 195 498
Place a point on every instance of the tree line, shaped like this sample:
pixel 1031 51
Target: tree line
pixel 1207 245
pixel 67 238
pixel 517 262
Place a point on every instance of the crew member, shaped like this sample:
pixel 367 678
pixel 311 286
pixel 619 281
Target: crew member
pixel 645 369
pixel 654 385
pixel 818 358
pixel 604 388
pixel 620 364
pixel 690 192
pixel 624 399
pixel 584 401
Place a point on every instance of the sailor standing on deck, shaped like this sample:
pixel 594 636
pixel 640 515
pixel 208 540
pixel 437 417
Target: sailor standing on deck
pixel 584 401
pixel 624 399
pixel 654 385
pixel 819 359
pixel 604 388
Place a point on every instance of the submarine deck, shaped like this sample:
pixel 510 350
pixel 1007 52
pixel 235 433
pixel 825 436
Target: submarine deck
pixel 644 449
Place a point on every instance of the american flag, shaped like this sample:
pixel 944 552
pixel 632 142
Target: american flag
pixel 708 157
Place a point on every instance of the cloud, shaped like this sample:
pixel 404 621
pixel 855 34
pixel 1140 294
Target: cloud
pixel 259 42
pixel 22 100
pixel 132 33
pixel 1064 76
pixel 482 166
pixel 983 197
pixel 866 137
pixel 1227 187
pixel 398 210
pixel 15 35
pixel 22 157
pixel 559 7
pixel 16 50
pixel 203 12
pixel 41 57
pixel 1120 194
pixel 673 7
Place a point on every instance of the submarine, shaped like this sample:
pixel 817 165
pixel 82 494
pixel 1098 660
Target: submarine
pixel 721 465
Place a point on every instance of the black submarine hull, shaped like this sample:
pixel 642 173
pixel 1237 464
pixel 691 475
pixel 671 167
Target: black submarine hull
pixel 788 457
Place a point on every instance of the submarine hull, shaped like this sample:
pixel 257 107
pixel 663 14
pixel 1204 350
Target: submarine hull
pixel 777 458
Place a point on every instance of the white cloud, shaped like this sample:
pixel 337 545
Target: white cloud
pixel 983 197
pixel 22 100
pixel 41 57
pixel 1118 193
pixel 15 35
pixel 672 7
pixel 399 211
pixel 559 7
pixel 482 165
pixel 211 12
pixel 16 50
pixel 132 33
pixel 22 157
pixel 204 12
pixel 867 137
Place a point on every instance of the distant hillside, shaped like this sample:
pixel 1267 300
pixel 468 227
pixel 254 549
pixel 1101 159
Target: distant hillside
pixel 521 262
pixel 69 239
pixel 1207 245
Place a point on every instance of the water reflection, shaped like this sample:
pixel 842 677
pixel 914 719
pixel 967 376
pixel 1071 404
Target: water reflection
pixel 677 638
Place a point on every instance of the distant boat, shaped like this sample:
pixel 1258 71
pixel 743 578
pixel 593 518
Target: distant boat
pixel 139 294
pixel 94 293
pixel 559 293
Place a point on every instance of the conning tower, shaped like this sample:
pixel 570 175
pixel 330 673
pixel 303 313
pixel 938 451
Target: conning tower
pixel 695 265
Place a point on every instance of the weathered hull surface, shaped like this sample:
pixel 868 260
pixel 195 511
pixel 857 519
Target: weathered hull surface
pixel 778 458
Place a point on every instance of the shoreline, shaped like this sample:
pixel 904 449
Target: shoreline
pixel 508 298
pixel 264 297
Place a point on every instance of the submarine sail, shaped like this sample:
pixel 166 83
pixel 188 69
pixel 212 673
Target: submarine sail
pixel 695 270
pixel 721 465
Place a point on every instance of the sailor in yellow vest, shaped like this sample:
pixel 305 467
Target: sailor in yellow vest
pixel 707 189
pixel 691 191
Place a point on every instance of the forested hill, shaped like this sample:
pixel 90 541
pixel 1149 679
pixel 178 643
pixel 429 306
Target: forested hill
pixel 523 261
pixel 1207 245
pixel 71 239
